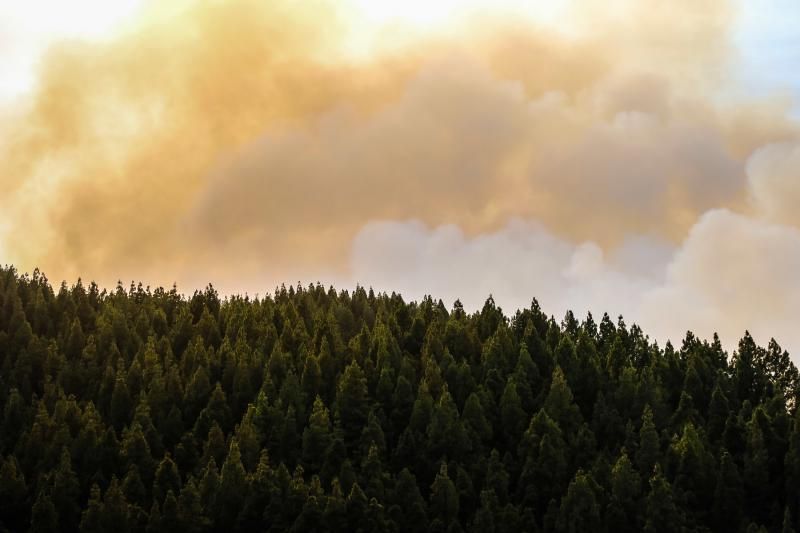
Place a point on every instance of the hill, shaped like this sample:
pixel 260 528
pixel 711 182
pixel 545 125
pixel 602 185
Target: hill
pixel 315 410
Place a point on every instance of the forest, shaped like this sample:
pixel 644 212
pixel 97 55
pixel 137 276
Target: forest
pixel 312 409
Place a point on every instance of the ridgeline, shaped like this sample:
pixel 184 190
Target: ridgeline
pixel 316 410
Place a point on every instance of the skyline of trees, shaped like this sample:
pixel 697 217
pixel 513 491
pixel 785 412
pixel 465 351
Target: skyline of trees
pixel 316 410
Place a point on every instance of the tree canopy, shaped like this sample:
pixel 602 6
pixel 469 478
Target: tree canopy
pixel 141 409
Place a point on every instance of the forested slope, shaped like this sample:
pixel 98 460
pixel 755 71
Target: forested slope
pixel 317 410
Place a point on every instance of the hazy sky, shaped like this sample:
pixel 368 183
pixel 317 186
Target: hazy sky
pixel 630 156
pixel 765 32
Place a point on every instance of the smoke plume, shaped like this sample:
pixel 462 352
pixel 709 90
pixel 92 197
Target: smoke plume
pixel 602 165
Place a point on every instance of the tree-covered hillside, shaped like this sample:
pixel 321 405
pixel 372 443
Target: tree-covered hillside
pixel 317 410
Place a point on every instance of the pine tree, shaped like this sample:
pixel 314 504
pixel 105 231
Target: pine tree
pixel 649 446
pixel 475 423
pixel 316 436
pixel 444 501
pixel 718 411
pixel 356 508
pixel 217 411
pixel 484 521
pixel 311 516
pixel 412 509
pixel 756 472
pixel 694 471
pixel 335 513
pixel 110 514
pixel 90 520
pixel 209 486
pixel 566 357
pixel 373 474
pixel 154 520
pixel 728 495
pixel 65 493
pixel 661 512
pixel 76 341
pixel 544 473
pixel 166 479
pixel 622 512
pixel 311 380
pixel 560 405
pixel 191 515
pixel 373 435
pixel 136 452
pixel 351 403
pixel 215 446
pixel 445 432
pixel 247 437
pixel 44 518
pixel 497 478
pixel 792 467
pixel 232 486
pixel 579 508
pixel 787 521
pixel 588 379
pixel 261 489
pixel 121 403
pixel 512 415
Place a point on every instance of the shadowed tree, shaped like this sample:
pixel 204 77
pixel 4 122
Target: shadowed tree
pixel 579 508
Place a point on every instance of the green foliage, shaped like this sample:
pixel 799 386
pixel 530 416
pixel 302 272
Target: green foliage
pixel 579 508
pixel 622 512
pixel 44 518
pixel 661 512
pixel 317 410
pixel 444 498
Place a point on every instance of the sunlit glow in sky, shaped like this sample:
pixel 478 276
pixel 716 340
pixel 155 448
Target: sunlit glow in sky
pixel 767 35
pixel 427 15
pixel 28 27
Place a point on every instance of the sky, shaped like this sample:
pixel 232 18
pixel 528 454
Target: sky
pixel 769 45
pixel 633 157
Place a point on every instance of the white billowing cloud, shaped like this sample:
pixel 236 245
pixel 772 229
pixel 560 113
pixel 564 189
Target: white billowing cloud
pixel 732 273
pixel 514 264
pixel 773 174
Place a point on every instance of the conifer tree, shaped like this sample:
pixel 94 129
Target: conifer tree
pixel 166 479
pixel 317 436
pixel 44 517
pixel 661 512
pixel 579 508
pixel 351 403
pixel 560 405
pixel 649 448
pixel 191 515
pixel 512 415
pixel 728 495
pixel 232 486
pixel 444 501
pixel 622 511
pixel 412 509
pixel 65 493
